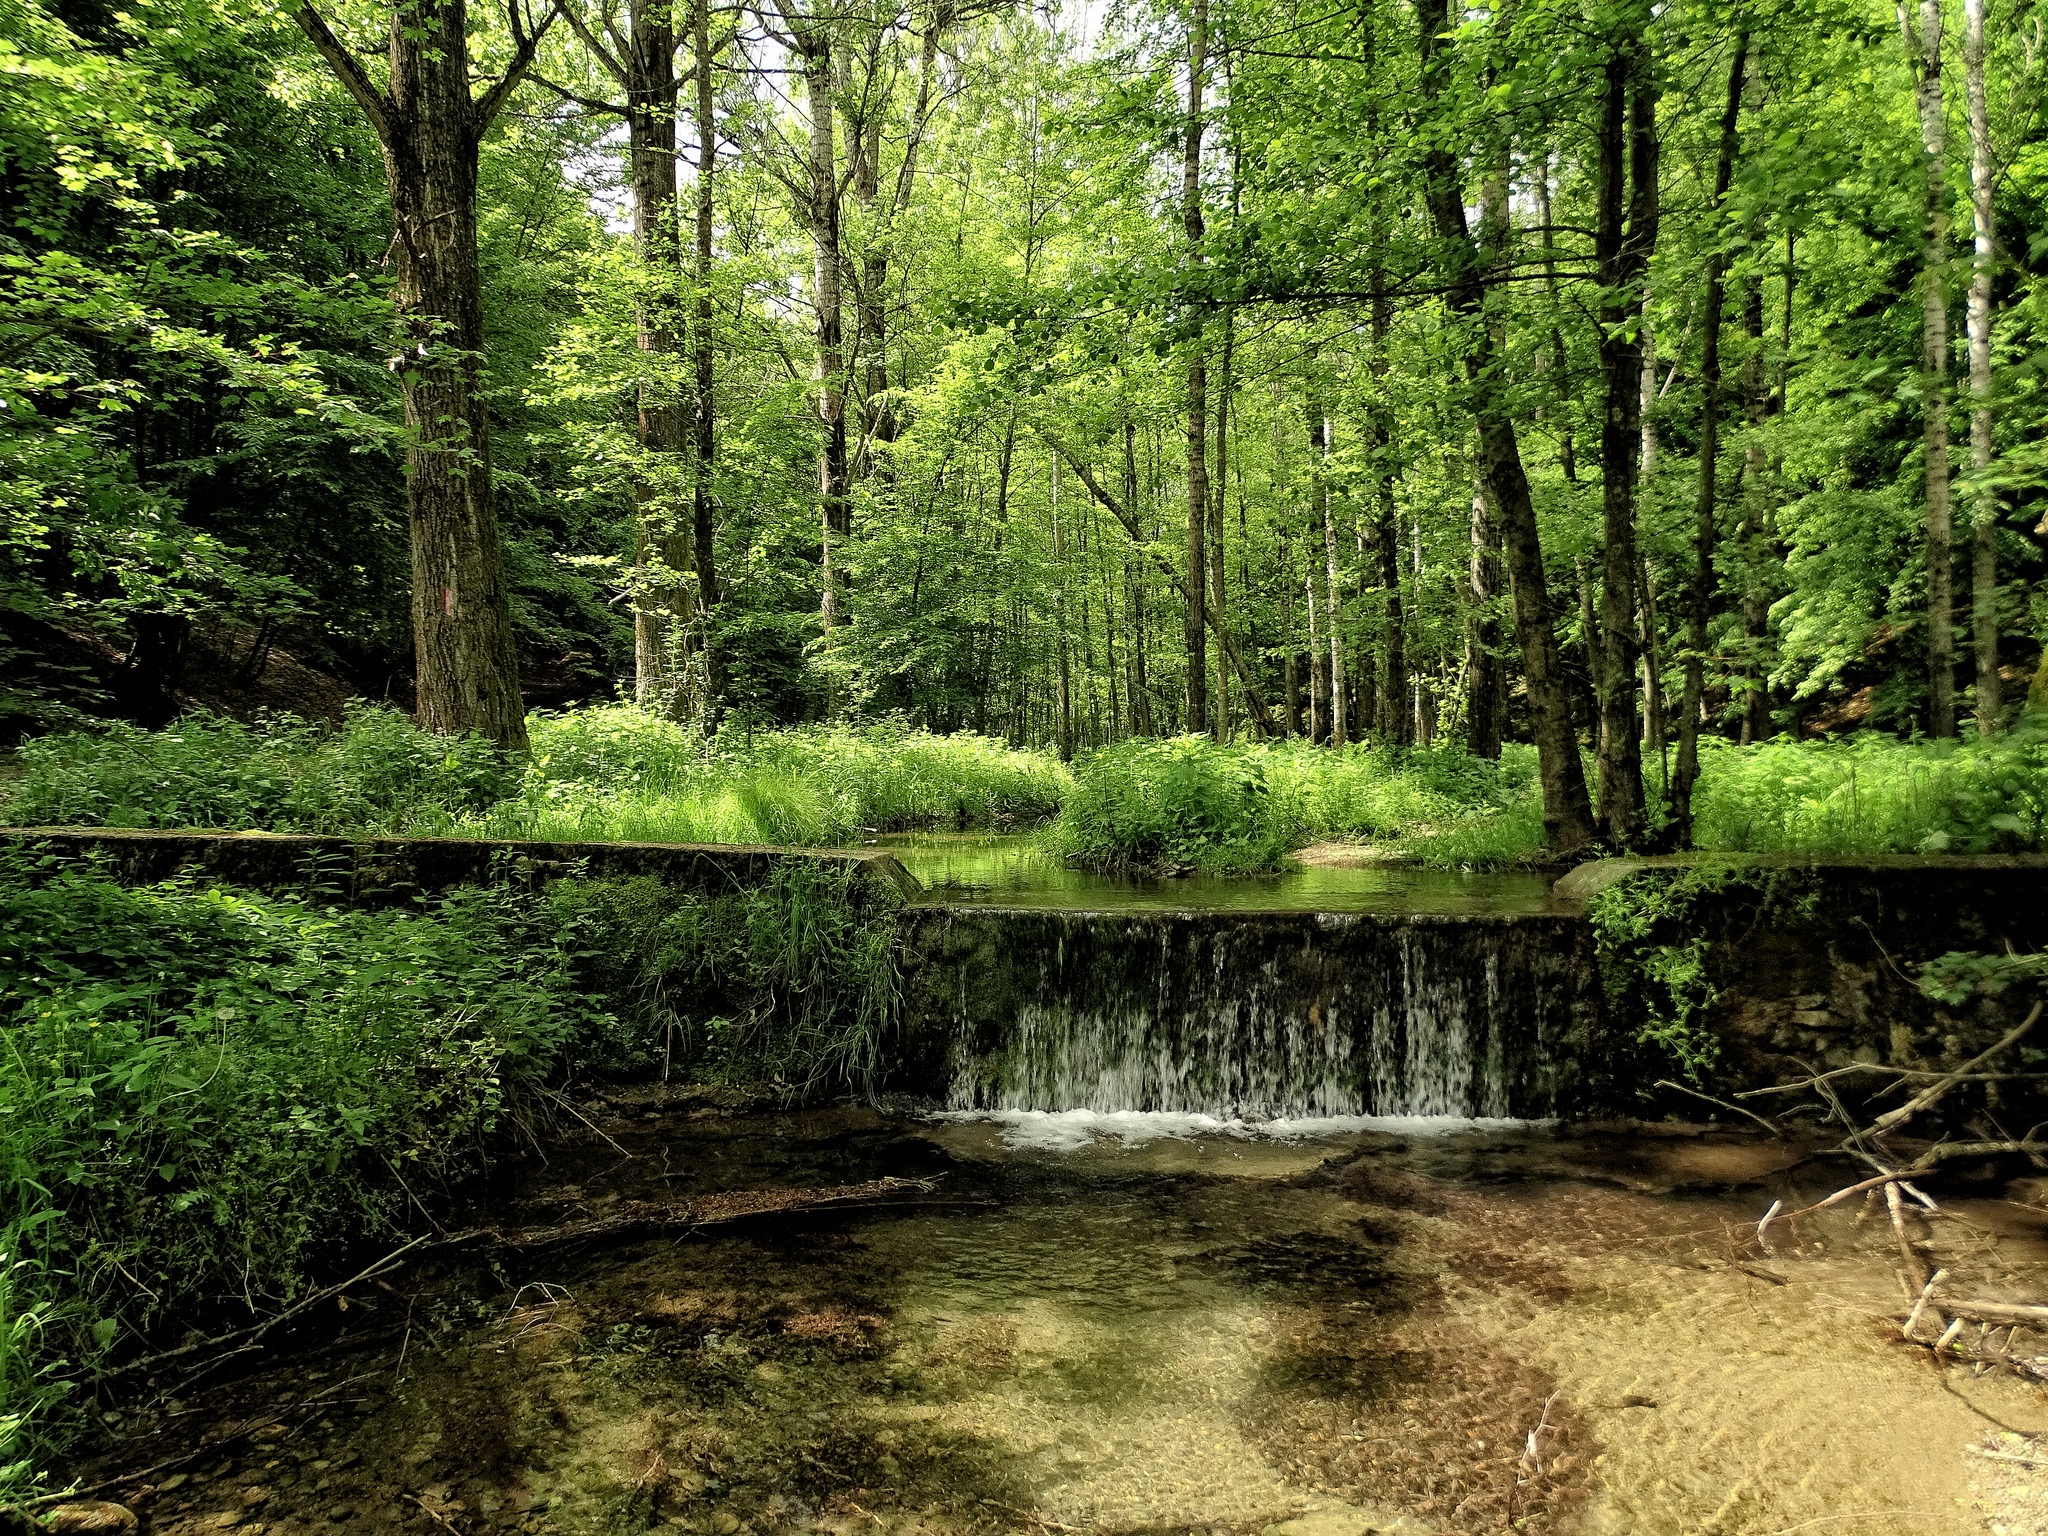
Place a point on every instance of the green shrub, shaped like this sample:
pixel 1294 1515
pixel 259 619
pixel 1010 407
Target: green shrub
pixel 376 774
pixel 211 1097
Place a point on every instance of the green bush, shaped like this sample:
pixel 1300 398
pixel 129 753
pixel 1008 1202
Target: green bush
pixel 376 774
pixel 212 1097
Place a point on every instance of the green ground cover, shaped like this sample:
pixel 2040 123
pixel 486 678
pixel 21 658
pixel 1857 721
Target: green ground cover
pixel 213 1096
pixel 620 773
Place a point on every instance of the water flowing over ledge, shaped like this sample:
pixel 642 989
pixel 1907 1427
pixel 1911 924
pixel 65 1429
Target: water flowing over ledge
pixel 1249 1017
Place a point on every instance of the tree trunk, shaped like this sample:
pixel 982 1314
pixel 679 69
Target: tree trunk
pixel 703 509
pixel 661 601
pixel 1198 381
pixel 1318 674
pixel 1567 817
pixel 822 209
pixel 466 667
pixel 1656 732
pixel 1063 689
pixel 1699 609
pixel 1485 695
pixel 1984 507
pixel 1219 596
pixel 1623 244
pixel 1323 431
pixel 1924 50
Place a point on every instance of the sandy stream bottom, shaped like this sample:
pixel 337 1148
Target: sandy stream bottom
pixel 1201 1334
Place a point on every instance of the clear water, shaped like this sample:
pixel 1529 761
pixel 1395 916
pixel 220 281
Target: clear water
pixel 1015 870
pixel 1180 1334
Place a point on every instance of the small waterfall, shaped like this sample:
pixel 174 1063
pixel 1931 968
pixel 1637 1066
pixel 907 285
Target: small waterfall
pixel 1251 1014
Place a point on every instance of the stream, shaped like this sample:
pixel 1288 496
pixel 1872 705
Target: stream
pixel 1137 1325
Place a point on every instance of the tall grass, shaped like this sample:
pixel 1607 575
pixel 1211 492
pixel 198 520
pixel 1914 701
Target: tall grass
pixel 614 773
pixel 1875 794
pixel 1188 803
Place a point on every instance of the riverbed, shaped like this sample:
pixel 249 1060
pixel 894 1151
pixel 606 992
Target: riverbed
pixel 1137 1324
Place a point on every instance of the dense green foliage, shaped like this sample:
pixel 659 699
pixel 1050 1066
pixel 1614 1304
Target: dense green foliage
pixel 213 1095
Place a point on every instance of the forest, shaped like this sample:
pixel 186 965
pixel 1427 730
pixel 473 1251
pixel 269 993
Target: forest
pixel 1617 379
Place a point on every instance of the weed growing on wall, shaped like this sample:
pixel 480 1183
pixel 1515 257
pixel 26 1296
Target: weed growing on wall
pixel 1653 962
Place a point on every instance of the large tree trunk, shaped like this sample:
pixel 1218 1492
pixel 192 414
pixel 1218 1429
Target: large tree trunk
pixel 1699 609
pixel 465 664
pixel 1390 717
pixel 1198 382
pixel 1219 595
pixel 1567 817
pixel 1627 165
pixel 661 599
pixel 1924 51
pixel 1984 508
pixel 703 510
pixel 835 517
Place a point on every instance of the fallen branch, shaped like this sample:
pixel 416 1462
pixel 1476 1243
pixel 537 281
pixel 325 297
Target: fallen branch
pixel 638 1218
pixel 244 1338
pixel 2000 1314
pixel 1665 1082
pixel 1892 1119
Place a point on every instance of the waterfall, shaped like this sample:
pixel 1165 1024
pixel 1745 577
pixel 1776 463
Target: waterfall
pixel 1251 1014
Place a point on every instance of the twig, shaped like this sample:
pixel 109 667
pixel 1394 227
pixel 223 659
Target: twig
pixel 1665 1082
pixel 255 1331
pixel 435 1515
pixel 562 1100
pixel 2018 1461
pixel 1763 1226
pixel 2000 1314
pixel 1927 1290
pixel 1892 1119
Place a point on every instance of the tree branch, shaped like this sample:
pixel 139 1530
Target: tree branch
pixel 494 99
pixel 375 104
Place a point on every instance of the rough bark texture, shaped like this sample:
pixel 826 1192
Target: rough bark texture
pixel 1656 729
pixel 1198 383
pixel 1567 817
pixel 1391 718
pixel 1699 606
pixel 1924 49
pixel 1626 236
pixel 1219 594
pixel 1984 508
pixel 662 600
pixel 703 508
pixel 835 517
pixel 430 128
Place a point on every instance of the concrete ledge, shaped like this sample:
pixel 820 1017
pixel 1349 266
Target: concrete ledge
pixel 384 870
pixel 1975 876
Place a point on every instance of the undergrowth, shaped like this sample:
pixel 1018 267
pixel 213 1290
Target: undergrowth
pixel 1188 803
pixel 213 1096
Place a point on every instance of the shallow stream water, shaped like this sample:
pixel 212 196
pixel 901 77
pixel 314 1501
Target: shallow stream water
pixel 1015 870
pixel 1132 1324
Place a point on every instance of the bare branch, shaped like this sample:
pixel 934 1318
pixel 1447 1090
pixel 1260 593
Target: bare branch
pixel 494 99
pixel 375 104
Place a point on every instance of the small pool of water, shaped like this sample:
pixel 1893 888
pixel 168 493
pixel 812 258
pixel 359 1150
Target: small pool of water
pixel 1422 1328
pixel 1015 870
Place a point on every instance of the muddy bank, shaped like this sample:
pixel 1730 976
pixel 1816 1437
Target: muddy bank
pixel 1137 1334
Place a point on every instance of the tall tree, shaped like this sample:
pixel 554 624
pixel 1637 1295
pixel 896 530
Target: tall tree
pixel 1197 377
pixel 430 126
pixel 703 518
pixel 1923 50
pixel 1567 815
pixel 1984 502
pixel 1700 593
pixel 1625 239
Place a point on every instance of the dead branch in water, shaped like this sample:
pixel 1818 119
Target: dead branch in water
pixel 650 1218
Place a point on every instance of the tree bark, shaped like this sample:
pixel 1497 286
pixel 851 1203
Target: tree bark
pixel 1567 816
pixel 1984 508
pixel 1322 434
pixel 704 507
pixel 1219 596
pixel 835 519
pixel 1924 51
pixel 1656 732
pixel 1485 693
pixel 1197 717
pixel 430 127
pixel 1627 198
pixel 1699 609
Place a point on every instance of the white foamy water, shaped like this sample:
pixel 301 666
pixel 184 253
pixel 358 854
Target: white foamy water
pixel 1075 1130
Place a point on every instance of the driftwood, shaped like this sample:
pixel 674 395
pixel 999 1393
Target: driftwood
pixel 651 1218
pixel 1892 1119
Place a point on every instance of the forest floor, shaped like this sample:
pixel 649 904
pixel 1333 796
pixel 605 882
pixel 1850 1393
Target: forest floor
pixel 1439 1333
